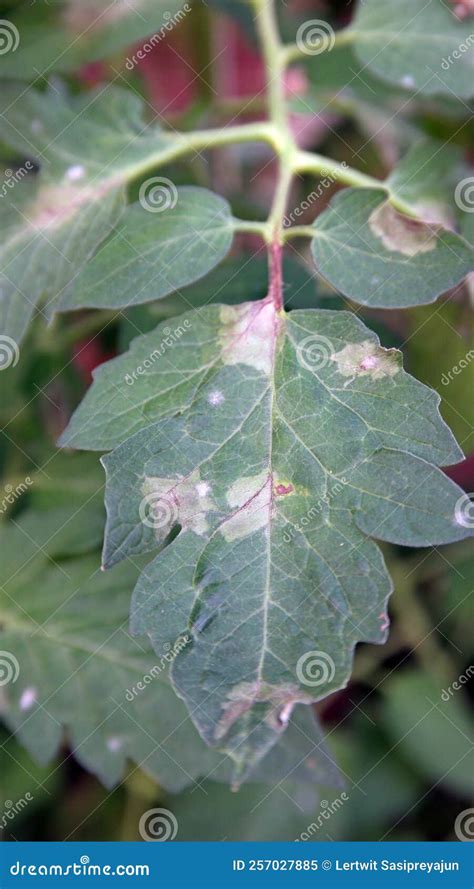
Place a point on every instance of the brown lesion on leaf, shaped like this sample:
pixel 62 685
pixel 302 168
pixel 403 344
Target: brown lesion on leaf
pixel 280 700
pixel 402 234
pixel 367 359
pixel 282 490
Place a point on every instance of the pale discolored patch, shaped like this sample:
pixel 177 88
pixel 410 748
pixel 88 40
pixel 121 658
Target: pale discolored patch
pixel 248 335
pixel 280 699
pixel 402 234
pixel 367 359
pixel 170 501
pixel 251 498
pixel 56 205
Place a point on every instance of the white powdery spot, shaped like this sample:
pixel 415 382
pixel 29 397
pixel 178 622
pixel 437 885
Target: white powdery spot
pixel 113 744
pixel 285 713
pixel 203 489
pixel 215 397
pixel 248 335
pixel 407 81
pixel 75 173
pixel 28 698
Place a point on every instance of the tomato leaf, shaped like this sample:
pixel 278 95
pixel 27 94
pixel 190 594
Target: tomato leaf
pixel 418 45
pixel 75 669
pixel 377 256
pixel 150 255
pixel 54 221
pixel 64 35
pixel 277 445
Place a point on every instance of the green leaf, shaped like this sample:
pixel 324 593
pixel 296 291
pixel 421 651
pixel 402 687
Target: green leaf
pixel 378 257
pixel 49 231
pixel 152 380
pixel 153 254
pixel 79 671
pixel 276 445
pixel 425 179
pixel 76 663
pixel 87 153
pixel 25 786
pixel 62 36
pixel 252 815
pixel 418 45
pixel 432 728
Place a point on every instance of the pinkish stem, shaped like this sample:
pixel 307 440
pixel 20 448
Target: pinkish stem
pixel 275 290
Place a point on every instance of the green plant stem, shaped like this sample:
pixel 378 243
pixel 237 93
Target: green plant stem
pixel 294 52
pixel 275 65
pixel 299 231
pixel 249 226
pixel 307 162
pixel 275 132
pixel 182 144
